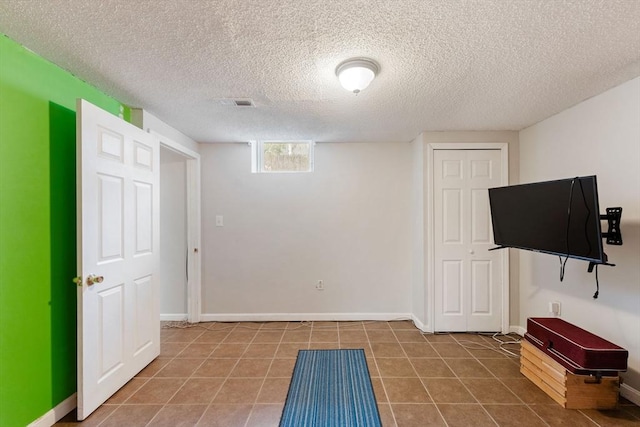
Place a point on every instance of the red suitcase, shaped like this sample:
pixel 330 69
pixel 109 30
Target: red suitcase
pixel 579 351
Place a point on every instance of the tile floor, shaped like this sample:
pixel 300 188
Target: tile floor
pixel 237 374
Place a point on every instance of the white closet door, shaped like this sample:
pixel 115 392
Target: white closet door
pixel 468 278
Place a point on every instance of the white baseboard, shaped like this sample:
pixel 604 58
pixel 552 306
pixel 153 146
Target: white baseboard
pixel 173 317
pixel 293 317
pixel 630 393
pixel 518 330
pixel 56 414
pixel 419 324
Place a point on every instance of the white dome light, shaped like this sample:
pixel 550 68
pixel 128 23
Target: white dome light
pixel 356 74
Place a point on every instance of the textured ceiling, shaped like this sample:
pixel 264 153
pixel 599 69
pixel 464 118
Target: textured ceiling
pixel 445 64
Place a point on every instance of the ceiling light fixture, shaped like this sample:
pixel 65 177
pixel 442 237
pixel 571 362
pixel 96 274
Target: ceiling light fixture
pixel 356 74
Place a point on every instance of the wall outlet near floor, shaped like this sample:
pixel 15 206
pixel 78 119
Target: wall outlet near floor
pixel 320 285
pixel 554 308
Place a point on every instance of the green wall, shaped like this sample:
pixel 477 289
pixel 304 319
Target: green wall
pixel 37 231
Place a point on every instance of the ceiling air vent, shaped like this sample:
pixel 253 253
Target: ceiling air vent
pixel 244 102
pixel 234 102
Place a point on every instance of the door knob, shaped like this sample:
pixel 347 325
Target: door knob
pixel 92 279
pixel 471 251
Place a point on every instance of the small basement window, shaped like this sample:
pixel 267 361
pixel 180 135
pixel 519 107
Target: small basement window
pixel 281 156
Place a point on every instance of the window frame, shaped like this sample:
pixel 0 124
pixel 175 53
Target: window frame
pixel 257 155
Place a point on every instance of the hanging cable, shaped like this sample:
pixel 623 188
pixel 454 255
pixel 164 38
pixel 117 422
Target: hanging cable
pixel 586 221
pixel 595 296
pixel 586 235
pixel 563 264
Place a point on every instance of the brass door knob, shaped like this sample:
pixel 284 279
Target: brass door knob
pixel 93 279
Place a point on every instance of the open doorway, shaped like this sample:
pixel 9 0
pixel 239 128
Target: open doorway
pixel 174 258
pixel 179 280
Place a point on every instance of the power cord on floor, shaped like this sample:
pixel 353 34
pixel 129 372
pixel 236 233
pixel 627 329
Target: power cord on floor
pixel 474 345
pixel 503 343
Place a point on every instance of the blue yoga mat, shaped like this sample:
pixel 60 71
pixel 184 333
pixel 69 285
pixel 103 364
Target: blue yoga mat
pixel 330 388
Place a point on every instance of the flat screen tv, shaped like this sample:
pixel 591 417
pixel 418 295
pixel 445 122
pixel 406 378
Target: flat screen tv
pixel 556 217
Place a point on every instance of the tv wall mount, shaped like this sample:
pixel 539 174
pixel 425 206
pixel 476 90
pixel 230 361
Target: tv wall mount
pixel 613 234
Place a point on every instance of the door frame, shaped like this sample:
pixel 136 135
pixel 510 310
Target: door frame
pixel 430 225
pixel 194 247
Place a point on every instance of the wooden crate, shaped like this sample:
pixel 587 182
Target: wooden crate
pixel 569 390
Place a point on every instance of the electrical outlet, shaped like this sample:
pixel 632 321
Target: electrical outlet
pixel 554 308
pixel 320 285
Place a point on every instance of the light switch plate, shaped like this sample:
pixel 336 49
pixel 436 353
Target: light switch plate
pixel 219 221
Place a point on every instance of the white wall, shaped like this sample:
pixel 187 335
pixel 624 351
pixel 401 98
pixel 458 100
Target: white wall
pixel 348 223
pixel 173 236
pixel 599 136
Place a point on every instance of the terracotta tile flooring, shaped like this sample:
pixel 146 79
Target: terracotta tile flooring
pixel 237 374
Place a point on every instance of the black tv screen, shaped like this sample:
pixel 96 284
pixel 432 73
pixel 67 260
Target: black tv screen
pixel 556 217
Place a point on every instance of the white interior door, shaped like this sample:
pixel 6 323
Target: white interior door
pixel 118 247
pixel 468 278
